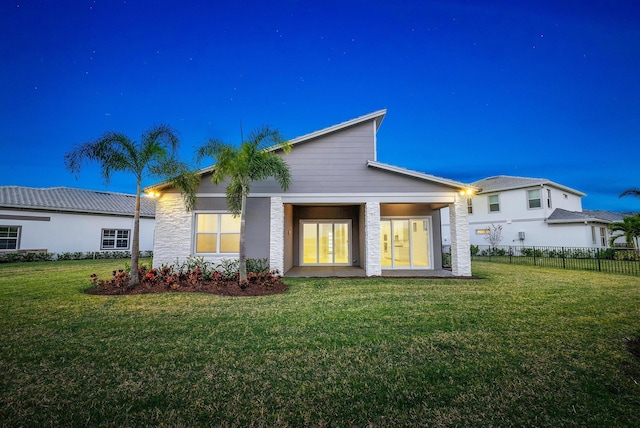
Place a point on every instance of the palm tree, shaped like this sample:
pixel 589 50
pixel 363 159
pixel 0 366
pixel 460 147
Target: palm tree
pixel 254 160
pixel 154 156
pixel 630 228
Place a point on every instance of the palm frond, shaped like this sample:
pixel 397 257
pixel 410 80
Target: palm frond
pixel 630 192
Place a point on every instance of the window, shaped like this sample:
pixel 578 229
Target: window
pixel 217 233
pixel 533 198
pixel 9 237
pixel 494 203
pixel 115 239
pixel 593 235
pixel 469 206
pixel 548 198
pixel 482 231
pixel 603 237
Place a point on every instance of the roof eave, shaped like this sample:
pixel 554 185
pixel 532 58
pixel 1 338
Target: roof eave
pixel 427 177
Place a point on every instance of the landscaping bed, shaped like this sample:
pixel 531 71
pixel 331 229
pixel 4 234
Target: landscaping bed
pixel 195 277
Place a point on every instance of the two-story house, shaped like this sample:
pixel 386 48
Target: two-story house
pixel 534 212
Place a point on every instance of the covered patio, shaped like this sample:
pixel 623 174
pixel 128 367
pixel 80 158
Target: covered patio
pixel 357 272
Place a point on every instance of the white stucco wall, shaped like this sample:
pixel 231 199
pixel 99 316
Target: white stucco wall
pixel 515 216
pixel 67 232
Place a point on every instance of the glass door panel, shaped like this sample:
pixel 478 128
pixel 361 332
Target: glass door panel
pixel 385 243
pixel 401 247
pixel 325 251
pixel 310 244
pixel 341 243
pixel 419 243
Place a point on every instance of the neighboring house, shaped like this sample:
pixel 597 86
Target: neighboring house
pixel 534 212
pixel 344 208
pixel 63 219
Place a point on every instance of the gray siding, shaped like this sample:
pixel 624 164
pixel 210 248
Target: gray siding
pixel 337 163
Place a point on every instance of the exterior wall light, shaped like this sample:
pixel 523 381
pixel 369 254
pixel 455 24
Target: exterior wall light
pixel 154 194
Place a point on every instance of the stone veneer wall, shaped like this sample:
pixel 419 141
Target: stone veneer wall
pixel 276 245
pixel 460 249
pixel 173 230
pixel 372 239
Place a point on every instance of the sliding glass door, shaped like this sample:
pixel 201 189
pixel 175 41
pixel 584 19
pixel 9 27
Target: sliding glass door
pixel 326 242
pixel 405 243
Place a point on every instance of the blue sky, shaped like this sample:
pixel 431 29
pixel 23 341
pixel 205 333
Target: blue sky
pixel 472 89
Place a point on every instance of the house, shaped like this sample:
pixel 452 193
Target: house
pixel 64 219
pixel 344 208
pixel 534 212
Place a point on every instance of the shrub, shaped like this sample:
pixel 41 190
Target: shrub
pixel 194 272
pixel 627 255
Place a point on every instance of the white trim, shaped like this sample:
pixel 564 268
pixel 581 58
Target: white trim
pixel 341 198
pixel 371 116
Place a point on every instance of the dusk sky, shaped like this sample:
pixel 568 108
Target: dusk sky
pixel 472 88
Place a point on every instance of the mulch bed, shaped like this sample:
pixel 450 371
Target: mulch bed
pixel 228 288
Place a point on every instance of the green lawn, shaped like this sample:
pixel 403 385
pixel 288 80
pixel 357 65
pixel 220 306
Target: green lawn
pixel 523 346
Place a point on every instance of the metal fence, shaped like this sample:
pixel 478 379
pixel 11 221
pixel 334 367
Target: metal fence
pixel 612 260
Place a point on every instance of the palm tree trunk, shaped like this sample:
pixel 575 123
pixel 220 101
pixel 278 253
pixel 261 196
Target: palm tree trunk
pixel 135 245
pixel 242 268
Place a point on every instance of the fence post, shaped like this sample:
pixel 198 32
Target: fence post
pixel 598 257
pixel 564 266
pixel 510 254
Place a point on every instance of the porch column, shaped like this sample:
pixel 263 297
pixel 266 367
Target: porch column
pixel 460 249
pixel 372 239
pixel 173 232
pixel 276 246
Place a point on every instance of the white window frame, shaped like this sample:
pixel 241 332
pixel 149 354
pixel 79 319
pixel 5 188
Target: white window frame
pixel 302 222
pixel 218 233
pixel 530 199
pixel 548 198
pixel 497 195
pixel 603 236
pixel 117 236
pixel 18 232
pixel 429 221
pixel 469 205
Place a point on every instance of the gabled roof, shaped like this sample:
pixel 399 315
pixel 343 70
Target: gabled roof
pixel 68 199
pixel 416 174
pixel 376 116
pixel 507 182
pixel 563 216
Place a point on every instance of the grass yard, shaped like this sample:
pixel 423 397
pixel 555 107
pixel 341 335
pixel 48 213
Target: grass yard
pixel 524 346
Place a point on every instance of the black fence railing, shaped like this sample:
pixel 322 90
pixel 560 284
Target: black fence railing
pixel 613 260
